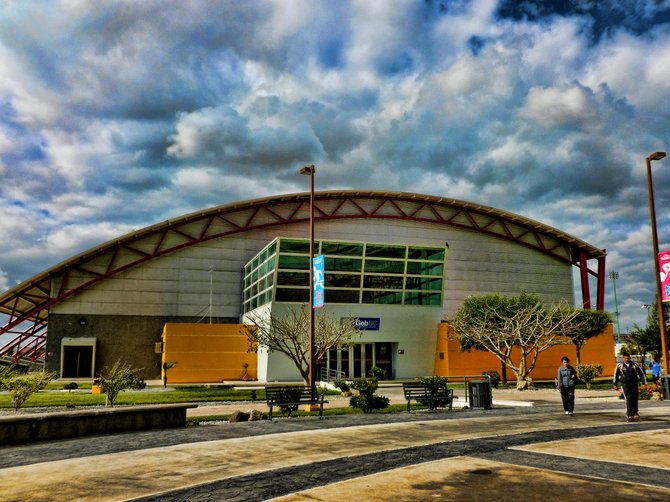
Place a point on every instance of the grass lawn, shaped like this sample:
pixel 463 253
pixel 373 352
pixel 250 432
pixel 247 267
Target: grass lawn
pixel 186 394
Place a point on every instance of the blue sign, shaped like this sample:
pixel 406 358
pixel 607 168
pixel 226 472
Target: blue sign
pixel 365 323
pixel 318 286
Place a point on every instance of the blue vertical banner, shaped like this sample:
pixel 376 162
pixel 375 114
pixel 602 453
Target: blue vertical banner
pixel 318 286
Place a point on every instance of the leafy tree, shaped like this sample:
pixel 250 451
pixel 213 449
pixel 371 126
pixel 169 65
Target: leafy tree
pixel 23 385
pixel 589 323
pixel 499 323
pixel 116 379
pixel 643 340
pixel 289 334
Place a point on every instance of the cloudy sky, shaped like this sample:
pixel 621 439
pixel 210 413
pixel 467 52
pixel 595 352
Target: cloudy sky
pixel 115 115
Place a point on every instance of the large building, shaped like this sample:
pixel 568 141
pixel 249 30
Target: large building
pixel 399 263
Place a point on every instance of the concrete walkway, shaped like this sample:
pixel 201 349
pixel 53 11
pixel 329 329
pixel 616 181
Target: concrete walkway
pixel 530 452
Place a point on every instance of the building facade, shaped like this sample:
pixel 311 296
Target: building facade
pixel 400 262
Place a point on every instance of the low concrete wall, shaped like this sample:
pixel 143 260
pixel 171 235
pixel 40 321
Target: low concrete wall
pixel 20 428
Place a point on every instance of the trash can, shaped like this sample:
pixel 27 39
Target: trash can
pixel 665 383
pixel 480 394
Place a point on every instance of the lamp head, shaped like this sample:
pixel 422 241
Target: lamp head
pixel 657 156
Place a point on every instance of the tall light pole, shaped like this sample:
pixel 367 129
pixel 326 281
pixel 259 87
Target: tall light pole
pixel 614 276
pixel 309 171
pixel 654 236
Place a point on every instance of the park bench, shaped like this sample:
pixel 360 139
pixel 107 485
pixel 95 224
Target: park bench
pixel 423 394
pixel 289 397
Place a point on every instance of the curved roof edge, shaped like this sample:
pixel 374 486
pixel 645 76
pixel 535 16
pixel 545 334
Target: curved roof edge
pixel 291 208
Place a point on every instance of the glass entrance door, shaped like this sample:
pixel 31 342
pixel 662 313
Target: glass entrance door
pixel 357 361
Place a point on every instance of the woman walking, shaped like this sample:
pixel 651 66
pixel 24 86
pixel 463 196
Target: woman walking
pixel 566 380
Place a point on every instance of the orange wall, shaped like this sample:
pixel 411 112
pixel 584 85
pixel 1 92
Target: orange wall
pixel 450 361
pixel 206 352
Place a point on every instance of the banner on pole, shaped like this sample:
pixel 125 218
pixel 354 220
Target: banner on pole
pixel 664 267
pixel 318 286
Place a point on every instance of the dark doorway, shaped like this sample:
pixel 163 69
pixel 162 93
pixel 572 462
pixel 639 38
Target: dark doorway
pixel 78 361
pixel 384 359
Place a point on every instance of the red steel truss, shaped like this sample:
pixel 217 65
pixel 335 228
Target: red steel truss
pixel 27 305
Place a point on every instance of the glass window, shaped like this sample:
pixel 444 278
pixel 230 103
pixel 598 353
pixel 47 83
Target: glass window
pixel 341 296
pixel 293 246
pixel 342 248
pixel 272 248
pixel 293 279
pixel 292 295
pixel 342 281
pixel 294 262
pixel 383 251
pixel 383 282
pixel 343 264
pixel 386 297
pixel 426 253
pixel 425 268
pixel 385 266
pixel 423 299
pixel 423 283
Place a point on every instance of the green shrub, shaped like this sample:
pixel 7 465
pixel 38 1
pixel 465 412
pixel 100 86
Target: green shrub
pixel 71 386
pixel 288 395
pixel 22 386
pixel 494 377
pixel 369 403
pixel 366 399
pixel 434 384
pixel 587 373
pixel 341 384
pixel 118 378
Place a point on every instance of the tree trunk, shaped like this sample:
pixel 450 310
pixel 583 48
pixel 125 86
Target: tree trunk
pixel 503 372
pixel 579 354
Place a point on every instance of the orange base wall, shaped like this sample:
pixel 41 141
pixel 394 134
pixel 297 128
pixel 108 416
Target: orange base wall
pixel 450 361
pixel 206 353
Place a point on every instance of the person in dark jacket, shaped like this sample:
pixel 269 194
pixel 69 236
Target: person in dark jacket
pixel 631 376
pixel 565 382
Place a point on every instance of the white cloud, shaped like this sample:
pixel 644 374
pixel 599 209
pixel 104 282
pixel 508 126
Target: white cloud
pixel 554 107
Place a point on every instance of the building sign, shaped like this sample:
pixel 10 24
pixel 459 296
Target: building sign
pixel 318 286
pixel 365 323
pixel 664 267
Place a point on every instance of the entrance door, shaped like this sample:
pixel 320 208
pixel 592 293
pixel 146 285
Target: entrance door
pixel 78 361
pixel 384 359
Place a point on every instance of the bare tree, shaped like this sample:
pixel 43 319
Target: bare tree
pixel 498 324
pixel 289 334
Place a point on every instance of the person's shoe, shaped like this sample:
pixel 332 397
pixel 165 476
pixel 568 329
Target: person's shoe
pixel 567 412
pixel 570 413
pixel 636 417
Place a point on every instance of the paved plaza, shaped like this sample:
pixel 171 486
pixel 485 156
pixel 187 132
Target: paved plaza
pixel 505 453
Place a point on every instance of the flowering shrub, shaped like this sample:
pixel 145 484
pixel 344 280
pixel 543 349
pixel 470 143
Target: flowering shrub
pixel 648 391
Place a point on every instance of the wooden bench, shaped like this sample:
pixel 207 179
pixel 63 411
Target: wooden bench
pixel 289 397
pixel 422 393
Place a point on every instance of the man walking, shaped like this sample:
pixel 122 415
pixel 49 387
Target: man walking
pixel 630 375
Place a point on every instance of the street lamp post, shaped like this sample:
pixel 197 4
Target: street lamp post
pixel 654 236
pixel 614 276
pixel 309 171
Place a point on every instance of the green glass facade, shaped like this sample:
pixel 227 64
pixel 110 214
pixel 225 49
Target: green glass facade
pixel 355 273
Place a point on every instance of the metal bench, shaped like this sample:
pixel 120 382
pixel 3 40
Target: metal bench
pixel 434 397
pixel 289 397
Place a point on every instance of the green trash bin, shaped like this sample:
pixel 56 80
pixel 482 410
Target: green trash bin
pixel 479 392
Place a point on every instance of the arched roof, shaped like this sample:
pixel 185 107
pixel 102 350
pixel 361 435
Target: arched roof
pixel 29 302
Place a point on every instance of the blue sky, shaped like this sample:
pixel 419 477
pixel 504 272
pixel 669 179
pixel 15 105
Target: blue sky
pixel 117 115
